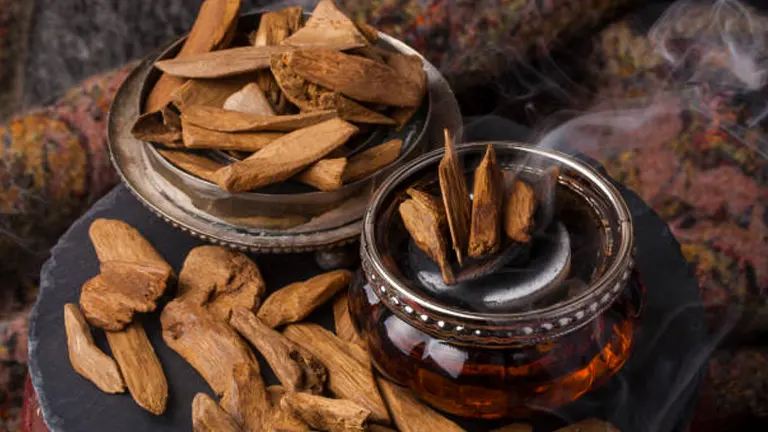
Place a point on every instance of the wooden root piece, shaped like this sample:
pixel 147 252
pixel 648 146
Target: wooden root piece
pixel 356 77
pixel 326 175
pixel 163 126
pixel 140 367
pixel 515 427
pixel 327 26
pixel 485 231
pixel 283 419
pixel 246 398
pixel 220 280
pixel 86 358
pixel 205 342
pixel 197 165
pixel 221 64
pixel 297 369
pixel 196 137
pixel 213 29
pixel 372 160
pixel 453 186
pixel 296 301
pixel 311 97
pixel 423 223
pixel 217 119
pixel 412 68
pixel 345 330
pixel 325 414
pixel 207 416
pixel 409 414
pixel 590 425
pixel 251 100
pixel 519 211
pixel 115 240
pixel 347 377
pixel 211 93
pixel 285 157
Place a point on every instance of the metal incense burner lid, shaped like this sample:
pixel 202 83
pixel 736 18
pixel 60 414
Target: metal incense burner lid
pixel 501 321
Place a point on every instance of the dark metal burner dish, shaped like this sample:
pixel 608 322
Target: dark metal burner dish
pixel 554 319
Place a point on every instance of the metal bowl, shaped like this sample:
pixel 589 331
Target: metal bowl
pixel 244 221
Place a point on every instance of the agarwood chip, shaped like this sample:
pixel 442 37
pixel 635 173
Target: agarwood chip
pixel 326 175
pixel 371 53
pixel 333 415
pixel 197 165
pixel 519 211
pixel 221 64
pixel 220 279
pixel 140 367
pixel 453 186
pixel 345 329
pixel 282 419
pixel 485 231
pixel 347 377
pixel 411 67
pixel 286 156
pixel 327 26
pixel 312 97
pixel 246 398
pixel 372 160
pixel 515 427
pixel 115 240
pixel 209 92
pixel 369 31
pixel 250 99
pixel 196 137
pixel 296 301
pixel 210 345
pixel 163 126
pixel 590 425
pixel 423 224
pixel 207 416
pixel 86 358
pixel 410 415
pixel 213 29
pixel 433 203
pixel 221 120
pixel 297 369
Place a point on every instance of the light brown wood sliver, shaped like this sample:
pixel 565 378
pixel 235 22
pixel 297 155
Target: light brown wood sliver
pixel 453 186
pixel 196 137
pixel 196 165
pixel 221 120
pixel 345 329
pixel 411 67
pixel 325 175
pixel 423 223
pixel 246 398
pixel 519 211
pixel 327 26
pixel 207 416
pixel 410 415
pixel 221 64
pixel 209 92
pixel 334 415
pixel 485 231
pixel 372 160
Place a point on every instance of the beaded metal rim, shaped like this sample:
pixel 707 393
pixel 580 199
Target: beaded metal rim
pixel 499 329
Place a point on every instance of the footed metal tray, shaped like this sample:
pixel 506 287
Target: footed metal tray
pixel 170 194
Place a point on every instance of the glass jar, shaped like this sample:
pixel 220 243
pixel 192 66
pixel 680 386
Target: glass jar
pixel 541 353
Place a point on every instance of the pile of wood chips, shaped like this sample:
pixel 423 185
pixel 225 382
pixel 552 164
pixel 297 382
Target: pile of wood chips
pixel 285 105
pixel 217 318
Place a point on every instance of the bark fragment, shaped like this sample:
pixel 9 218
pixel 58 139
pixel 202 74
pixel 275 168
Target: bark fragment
pixel 453 186
pixel 196 137
pixel 296 301
pixel 333 415
pixel 250 99
pixel 372 160
pixel 163 127
pixel 485 231
pixel 140 367
pixel 246 398
pixel 194 164
pixel 423 224
pixel 410 415
pixel 207 416
pixel 326 175
pixel 519 211
pixel 86 358
pixel 285 157
pixel 221 120
pixel 327 26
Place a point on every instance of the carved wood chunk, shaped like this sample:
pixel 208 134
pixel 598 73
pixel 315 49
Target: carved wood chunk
pixel 485 231
pixel 326 175
pixel 372 160
pixel 453 186
pixel 334 415
pixel 423 224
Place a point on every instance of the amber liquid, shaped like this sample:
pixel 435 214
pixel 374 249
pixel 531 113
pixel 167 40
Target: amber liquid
pixel 491 383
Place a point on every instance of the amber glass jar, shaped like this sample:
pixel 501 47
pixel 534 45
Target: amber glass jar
pixel 536 353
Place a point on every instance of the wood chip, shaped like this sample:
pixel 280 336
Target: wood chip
pixel 515 427
pixel 431 202
pixel 327 26
pixel 250 99
pixel 590 425
pixel 115 240
pixel 297 369
pixel 409 414
pixel 412 68
pixel 347 378
pixel 163 126
pixel 333 415
pixel 205 342
pixel 110 299
pixel 209 92
pixel 285 157
pixel 282 419
pixel 356 77
pixel 312 97
pixel 372 160
pixel 326 175
pixel 369 31
pixel 221 120
pixel 221 64
pixel 453 186
pixel 221 279
pixel 196 137
pixel 519 211
pixel 485 231
pixel 246 398
pixel 423 224
pixel 140 367
pixel 296 301
pixel 213 29
pixel 207 416
pixel 194 164
pixel 86 358
pixel 345 329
